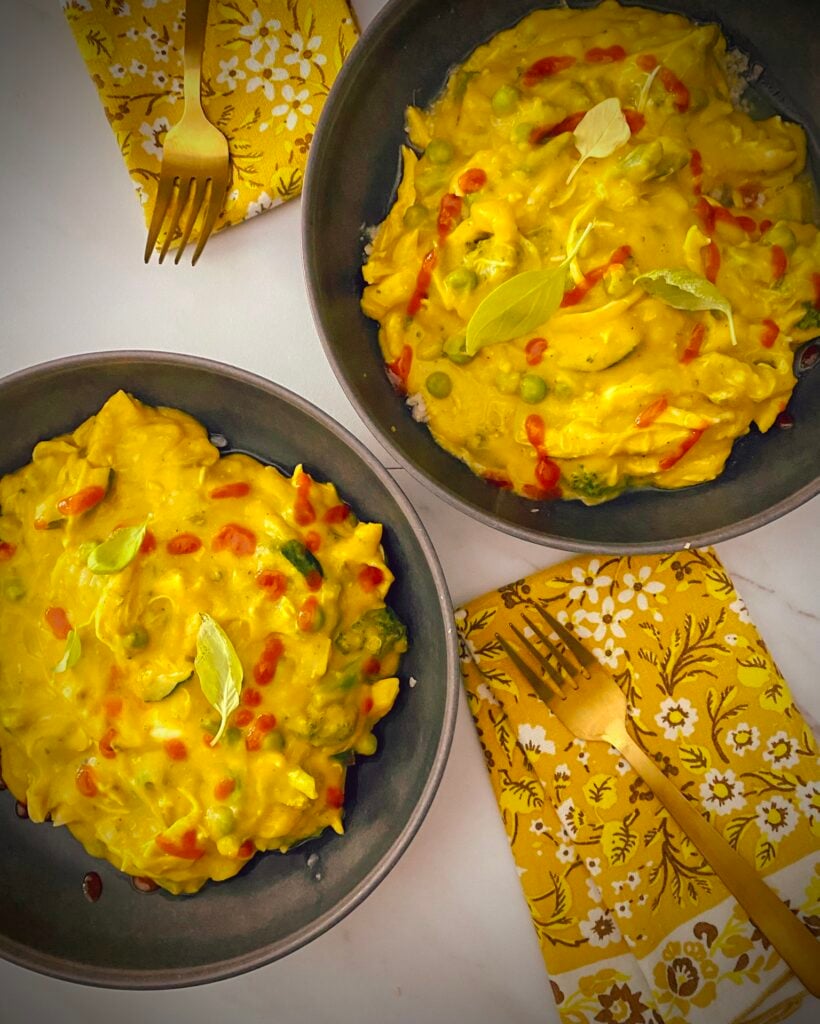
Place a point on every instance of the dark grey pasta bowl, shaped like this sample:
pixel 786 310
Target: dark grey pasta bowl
pixel 404 58
pixel 128 939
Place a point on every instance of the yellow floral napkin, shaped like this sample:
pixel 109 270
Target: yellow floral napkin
pixel 267 71
pixel 633 925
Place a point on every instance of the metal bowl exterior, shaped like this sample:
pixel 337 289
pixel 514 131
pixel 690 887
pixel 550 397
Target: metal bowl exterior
pixel 130 940
pixel 404 57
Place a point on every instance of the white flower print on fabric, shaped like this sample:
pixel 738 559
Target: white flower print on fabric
pixel 565 853
pixel 570 817
pixel 485 693
pixel 593 865
pixel 739 608
pixel 261 33
pixel 594 891
pixel 265 75
pixel 607 621
pixel 305 54
pixel 622 766
pixel 534 738
pixel 539 826
pixel 623 909
pixel 722 792
pixel 633 879
pixel 599 928
pixel 154 135
pixel 138 68
pixel 676 718
pixel 743 737
pixel 118 71
pixel 263 202
pixel 588 582
pixel 294 106
pixel 637 587
pixel 230 74
pixel 781 751
pixel 609 655
pixel 775 817
pixel 161 51
pixel 160 79
pixel 807 795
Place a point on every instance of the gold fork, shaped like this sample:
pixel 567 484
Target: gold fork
pixel 194 156
pixel 592 706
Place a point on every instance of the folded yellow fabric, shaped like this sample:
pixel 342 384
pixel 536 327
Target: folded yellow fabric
pixel 633 925
pixel 267 70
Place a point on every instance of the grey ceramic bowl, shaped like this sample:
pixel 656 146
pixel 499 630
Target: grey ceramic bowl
pixel 404 57
pixel 275 905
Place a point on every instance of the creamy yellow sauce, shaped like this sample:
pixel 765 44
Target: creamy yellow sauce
pixel 616 388
pixel 104 723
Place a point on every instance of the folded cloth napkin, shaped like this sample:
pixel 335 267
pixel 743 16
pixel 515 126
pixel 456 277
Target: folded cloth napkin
pixel 633 925
pixel 267 70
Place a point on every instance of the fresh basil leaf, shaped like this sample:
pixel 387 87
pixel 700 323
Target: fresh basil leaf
pixel 601 131
pixel 114 554
pixel 516 307
pixel 219 670
pixel 681 289
pixel 71 654
pixel 811 318
pixel 520 304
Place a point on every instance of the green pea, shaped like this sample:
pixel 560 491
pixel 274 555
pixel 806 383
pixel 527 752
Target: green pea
pixel 367 745
pixel 522 131
pixel 439 384
pixel 273 741
pixel 533 389
pixel 137 638
pixel 507 383
pixel 781 234
pixel 14 590
pixel 454 349
pixel 461 279
pixel 505 100
pixel 415 215
pixel 439 152
pixel 232 735
pixel 220 821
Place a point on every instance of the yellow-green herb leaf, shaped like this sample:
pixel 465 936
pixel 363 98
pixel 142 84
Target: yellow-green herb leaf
pixel 520 304
pixel 601 131
pixel 71 654
pixel 682 289
pixel 114 554
pixel 219 670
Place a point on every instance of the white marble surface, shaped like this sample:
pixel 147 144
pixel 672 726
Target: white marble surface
pixel 447 936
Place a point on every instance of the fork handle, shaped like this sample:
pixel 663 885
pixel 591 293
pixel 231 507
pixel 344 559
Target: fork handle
pixel 196 23
pixel 793 941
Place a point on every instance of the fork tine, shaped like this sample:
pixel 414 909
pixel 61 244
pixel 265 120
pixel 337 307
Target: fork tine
pixel 550 669
pixel 164 192
pixel 183 195
pixel 199 199
pixel 585 657
pixel 566 663
pixel 214 207
pixel 544 692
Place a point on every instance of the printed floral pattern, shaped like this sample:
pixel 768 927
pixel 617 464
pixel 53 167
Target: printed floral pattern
pixel 634 926
pixel 267 71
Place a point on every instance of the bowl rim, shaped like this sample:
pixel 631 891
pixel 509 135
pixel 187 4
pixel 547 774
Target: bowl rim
pixel 166 978
pixel 383 23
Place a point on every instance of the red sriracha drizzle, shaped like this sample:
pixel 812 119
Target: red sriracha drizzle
pixel 370 576
pixel 668 461
pixel 635 120
pixel 535 349
pixel 400 367
pixel 547 472
pixel 272 582
pixel 235 490
pixel 425 276
pixel 334 797
pixel 257 732
pixel 780 262
pixel 183 544
pixel 710 257
pixel 303 511
pixel 82 501
pixel 449 211
pixel 265 669
pixel 592 277
pixel 711 213
pixel 235 538
pixel 336 514
pixel 648 415
pixel 58 622
pixel 692 350
pixel 106 740
pixel 186 848
pixel 676 89
pixel 770 333
pixel 608 54
pixel 85 781
pixel 696 167
pixel 550 131
pixel 545 68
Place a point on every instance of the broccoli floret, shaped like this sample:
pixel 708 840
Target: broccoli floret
pixel 590 486
pixel 811 318
pixel 378 632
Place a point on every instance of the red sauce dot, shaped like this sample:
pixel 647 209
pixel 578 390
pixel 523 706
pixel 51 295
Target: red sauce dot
pixel 234 490
pixel 251 698
pixel 85 780
pixel 370 577
pixel 176 750
pixel 58 622
pixel 336 514
pixel 246 850
pixel 105 743
pixel 235 538
pixel 149 543
pixel 224 788
pixel 243 717
pixel 334 796
pixel 313 541
pixel 367 705
pixel 183 544
pixel 273 583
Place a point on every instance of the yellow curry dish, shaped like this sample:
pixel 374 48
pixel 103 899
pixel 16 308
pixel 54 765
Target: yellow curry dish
pixel 193 647
pixel 598 265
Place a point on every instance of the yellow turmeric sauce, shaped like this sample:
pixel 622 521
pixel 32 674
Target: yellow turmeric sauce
pixel 117 543
pixel 617 387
